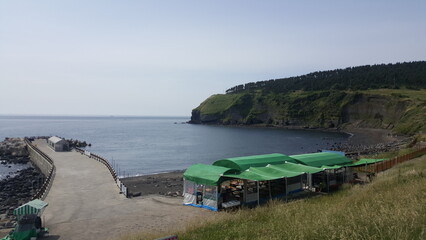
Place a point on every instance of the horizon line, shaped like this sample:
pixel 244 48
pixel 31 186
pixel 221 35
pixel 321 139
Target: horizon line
pixel 86 115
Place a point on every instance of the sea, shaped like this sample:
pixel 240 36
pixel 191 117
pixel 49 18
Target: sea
pixel 148 145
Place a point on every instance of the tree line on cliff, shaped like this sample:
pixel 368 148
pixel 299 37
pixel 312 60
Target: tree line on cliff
pixel 410 75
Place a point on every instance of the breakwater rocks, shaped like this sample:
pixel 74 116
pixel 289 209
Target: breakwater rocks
pixel 72 142
pixel 13 150
pixel 77 143
pixel 17 190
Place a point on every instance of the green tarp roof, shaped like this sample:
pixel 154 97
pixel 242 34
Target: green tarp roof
pixel 332 167
pixel 298 167
pixel 264 174
pixel 263 167
pixel 33 207
pixel 321 159
pixel 365 161
pixel 272 172
pixel 206 174
pixel 244 163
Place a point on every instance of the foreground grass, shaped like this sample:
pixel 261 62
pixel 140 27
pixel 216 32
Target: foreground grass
pixel 391 207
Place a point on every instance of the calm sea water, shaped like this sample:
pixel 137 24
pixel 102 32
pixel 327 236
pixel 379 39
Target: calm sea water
pixel 144 145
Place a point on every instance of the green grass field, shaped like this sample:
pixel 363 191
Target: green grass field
pixel 403 93
pixel 218 103
pixel 393 206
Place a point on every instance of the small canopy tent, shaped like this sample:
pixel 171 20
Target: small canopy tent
pixel 244 163
pixel 201 185
pixel 36 206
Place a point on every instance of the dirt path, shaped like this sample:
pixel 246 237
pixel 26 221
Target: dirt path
pixel 84 203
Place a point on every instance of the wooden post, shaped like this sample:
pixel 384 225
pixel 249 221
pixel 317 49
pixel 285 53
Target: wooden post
pixel 286 189
pixel 245 191
pixel 258 195
pixel 328 182
pixel 269 186
pixel 344 175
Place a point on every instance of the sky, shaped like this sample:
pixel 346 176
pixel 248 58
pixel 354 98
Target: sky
pixel 163 58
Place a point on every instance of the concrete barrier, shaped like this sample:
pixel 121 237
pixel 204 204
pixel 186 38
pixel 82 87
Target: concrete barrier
pixel 39 159
pixel 46 166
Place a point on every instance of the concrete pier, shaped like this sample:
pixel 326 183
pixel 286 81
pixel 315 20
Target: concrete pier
pixel 84 203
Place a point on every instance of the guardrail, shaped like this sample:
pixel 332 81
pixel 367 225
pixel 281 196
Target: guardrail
pixel 121 186
pixel 47 184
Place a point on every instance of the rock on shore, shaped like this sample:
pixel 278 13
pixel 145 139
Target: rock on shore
pixel 12 149
pixel 17 190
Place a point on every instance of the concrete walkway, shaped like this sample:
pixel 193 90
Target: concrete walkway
pixel 84 203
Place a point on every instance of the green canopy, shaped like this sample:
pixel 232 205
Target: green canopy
pixel 297 168
pixel 365 161
pixel 33 207
pixel 321 159
pixel 206 174
pixel 270 172
pixel 244 163
pixel 332 167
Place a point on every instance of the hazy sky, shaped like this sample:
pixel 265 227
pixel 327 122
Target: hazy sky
pixel 162 58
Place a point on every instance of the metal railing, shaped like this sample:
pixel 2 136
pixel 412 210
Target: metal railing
pixel 121 186
pixel 101 160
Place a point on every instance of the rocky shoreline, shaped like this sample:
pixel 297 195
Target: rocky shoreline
pixel 20 187
pixel 363 141
pixel 18 190
pixel 167 184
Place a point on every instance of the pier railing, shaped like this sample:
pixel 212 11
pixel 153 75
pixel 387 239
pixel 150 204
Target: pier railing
pixel 121 186
pixel 387 164
pixel 47 184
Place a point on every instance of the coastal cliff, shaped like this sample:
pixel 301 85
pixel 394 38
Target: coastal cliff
pixel 298 102
pixel 384 109
pixel 322 109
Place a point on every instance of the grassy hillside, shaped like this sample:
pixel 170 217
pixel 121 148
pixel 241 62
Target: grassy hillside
pixel 393 206
pixel 402 110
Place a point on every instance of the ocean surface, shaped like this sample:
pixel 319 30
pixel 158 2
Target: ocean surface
pixel 146 145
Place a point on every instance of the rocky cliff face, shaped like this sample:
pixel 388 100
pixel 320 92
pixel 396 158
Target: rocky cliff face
pixel 374 111
pixel 326 109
